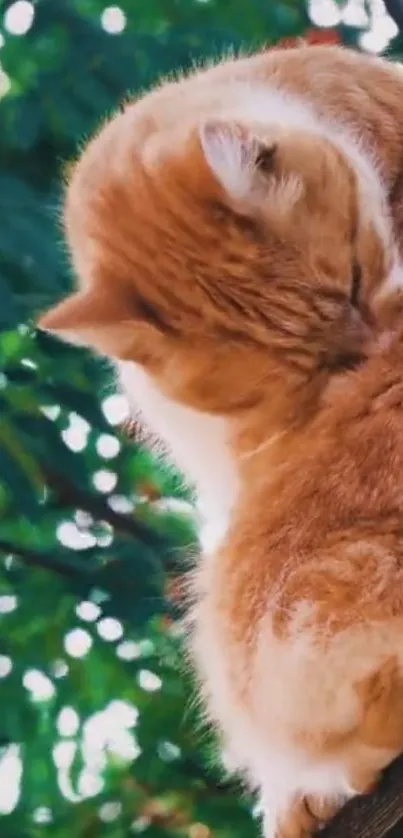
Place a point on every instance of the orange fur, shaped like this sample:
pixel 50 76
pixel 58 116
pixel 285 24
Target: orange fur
pixel 231 244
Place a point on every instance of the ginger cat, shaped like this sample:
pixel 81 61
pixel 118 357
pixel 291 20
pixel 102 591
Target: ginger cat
pixel 232 239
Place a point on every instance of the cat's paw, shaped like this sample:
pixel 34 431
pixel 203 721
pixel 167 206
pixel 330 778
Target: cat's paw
pixel 306 816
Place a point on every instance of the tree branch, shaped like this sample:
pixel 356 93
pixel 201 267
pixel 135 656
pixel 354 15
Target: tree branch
pixel 71 495
pixel 35 558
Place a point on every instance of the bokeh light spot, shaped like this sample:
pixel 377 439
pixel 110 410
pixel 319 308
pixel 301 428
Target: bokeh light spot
pixel 149 681
pixel 105 480
pixel 39 685
pixel 6 666
pixel 110 629
pixel 113 20
pixel 116 409
pixel 109 812
pixel 88 611
pixel 68 722
pixel 108 446
pixel 8 603
pixel 77 643
pixel 19 17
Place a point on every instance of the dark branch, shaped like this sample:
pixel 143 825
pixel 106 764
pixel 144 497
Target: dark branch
pixel 34 558
pixel 70 495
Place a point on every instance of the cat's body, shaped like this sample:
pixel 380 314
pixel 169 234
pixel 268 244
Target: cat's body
pixel 302 602
pixel 231 242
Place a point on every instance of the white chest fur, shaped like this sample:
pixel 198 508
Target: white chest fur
pixel 198 446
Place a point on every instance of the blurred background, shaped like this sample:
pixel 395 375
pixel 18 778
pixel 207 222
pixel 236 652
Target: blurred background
pixel 99 730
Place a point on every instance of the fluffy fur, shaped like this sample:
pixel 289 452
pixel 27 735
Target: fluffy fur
pixel 232 239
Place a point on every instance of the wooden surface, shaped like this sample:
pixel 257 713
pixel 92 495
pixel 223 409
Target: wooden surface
pixel 375 815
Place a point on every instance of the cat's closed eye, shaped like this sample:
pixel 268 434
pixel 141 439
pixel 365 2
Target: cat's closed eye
pixel 355 292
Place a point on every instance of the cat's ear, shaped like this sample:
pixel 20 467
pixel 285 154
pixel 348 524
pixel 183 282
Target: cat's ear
pixel 79 318
pixel 235 156
pixel 247 167
pixel 92 318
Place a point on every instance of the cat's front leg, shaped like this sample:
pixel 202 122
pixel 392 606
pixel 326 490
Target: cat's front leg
pixel 305 816
pixel 301 819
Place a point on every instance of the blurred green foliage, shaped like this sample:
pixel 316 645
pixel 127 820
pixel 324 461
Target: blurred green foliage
pixel 99 735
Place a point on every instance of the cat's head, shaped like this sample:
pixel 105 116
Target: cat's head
pixel 227 258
